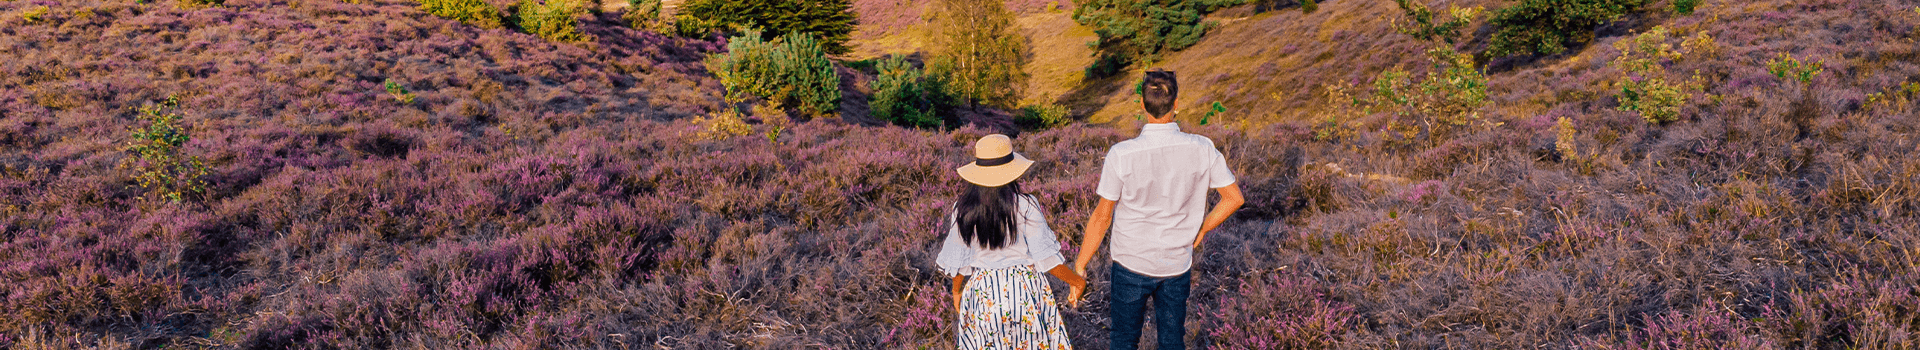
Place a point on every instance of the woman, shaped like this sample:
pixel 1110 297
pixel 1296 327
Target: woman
pixel 996 246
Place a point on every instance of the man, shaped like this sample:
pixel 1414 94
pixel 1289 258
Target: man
pixel 1153 193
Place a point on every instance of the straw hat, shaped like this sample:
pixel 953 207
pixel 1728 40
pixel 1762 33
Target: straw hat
pixel 996 164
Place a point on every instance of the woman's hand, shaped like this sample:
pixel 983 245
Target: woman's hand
pixel 1075 284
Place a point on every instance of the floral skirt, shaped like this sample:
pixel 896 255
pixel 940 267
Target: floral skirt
pixel 1010 308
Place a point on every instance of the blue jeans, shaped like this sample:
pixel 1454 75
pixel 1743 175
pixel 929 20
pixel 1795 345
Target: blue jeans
pixel 1130 292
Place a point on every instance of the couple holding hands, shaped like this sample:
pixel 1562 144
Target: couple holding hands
pixel 1153 197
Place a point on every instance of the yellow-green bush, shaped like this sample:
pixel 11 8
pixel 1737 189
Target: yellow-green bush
pixel 552 19
pixel 159 161
pixel 472 12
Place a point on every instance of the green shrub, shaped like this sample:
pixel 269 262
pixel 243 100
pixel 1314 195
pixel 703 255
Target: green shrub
pixel 1449 98
pixel 552 19
pixel 34 15
pixel 1213 110
pixel 1788 68
pixel 1421 21
pixel 472 12
pixel 903 96
pixel 1550 26
pixel 1685 7
pixel 793 71
pixel 398 92
pixel 1309 6
pixel 1647 88
pixel 644 15
pixel 1044 116
pixel 1130 30
pixel 160 162
pixel 830 21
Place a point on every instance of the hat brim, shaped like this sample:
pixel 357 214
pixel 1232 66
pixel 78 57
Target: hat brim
pixel 998 175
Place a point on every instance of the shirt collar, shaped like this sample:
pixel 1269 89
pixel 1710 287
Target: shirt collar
pixel 1174 127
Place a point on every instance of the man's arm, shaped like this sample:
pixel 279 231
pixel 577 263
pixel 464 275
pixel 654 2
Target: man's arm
pixel 1230 201
pixel 1096 231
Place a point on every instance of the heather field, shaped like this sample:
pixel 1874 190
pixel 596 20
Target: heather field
pixel 378 177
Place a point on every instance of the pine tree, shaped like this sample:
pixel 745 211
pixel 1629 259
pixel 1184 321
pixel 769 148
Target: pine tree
pixel 976 51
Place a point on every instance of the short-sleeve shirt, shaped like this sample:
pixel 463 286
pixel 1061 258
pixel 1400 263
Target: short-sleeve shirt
pixel 1034 245
pixel 1160 181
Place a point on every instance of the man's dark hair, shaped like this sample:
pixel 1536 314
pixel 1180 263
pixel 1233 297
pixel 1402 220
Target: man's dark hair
pixel 1158 90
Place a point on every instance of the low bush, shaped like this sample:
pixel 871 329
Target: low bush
pixel 1279 310
pixel 472 12
pixel 1447 101
pixel 904 96
pixel 1422 23
pixel 160 161
pixel 1551 26
pixel 829 21
pixel 1647 88
pixel 1132 30
pixel 644 15
pixel 552 19
pixel 1788 68
pixel 792 70
pixel 1043 116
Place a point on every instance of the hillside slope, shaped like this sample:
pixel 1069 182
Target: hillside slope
pixel 542 195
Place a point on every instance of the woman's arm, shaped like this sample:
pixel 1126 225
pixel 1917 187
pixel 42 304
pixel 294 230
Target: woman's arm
pixel 959 285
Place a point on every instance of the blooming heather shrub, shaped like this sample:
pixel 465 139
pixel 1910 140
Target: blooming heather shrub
pixel 792 70
pixel 552 19
pixel 1278 310
pixel 160 161
pixel 476 13
pixel 1711 326
pixel 1551 26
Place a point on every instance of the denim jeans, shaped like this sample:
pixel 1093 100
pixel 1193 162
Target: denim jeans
pixel 1130 293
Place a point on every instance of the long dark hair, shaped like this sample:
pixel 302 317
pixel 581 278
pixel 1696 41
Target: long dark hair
pixel 987 215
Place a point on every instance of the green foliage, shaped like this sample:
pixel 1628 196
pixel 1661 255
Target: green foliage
pixel 34 15
pixel 1216 109
pixel 1309 6
pixel 1550 26
pixel 1647 88
pixel 1421 22
pixel 1788 68
pixel 1685 7
pixel 472 12
pixel 203 2
pixel 552 19
pixel 398 92
pixel 977 52
pixel 160 162
pixel 830 21
pixel 1044 116
pixel 1141 29
pixel 1449 98
pixel 903 96
pixel 644 15
pixel 793 71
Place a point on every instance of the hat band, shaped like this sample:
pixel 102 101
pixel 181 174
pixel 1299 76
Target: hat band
pixel 995 161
